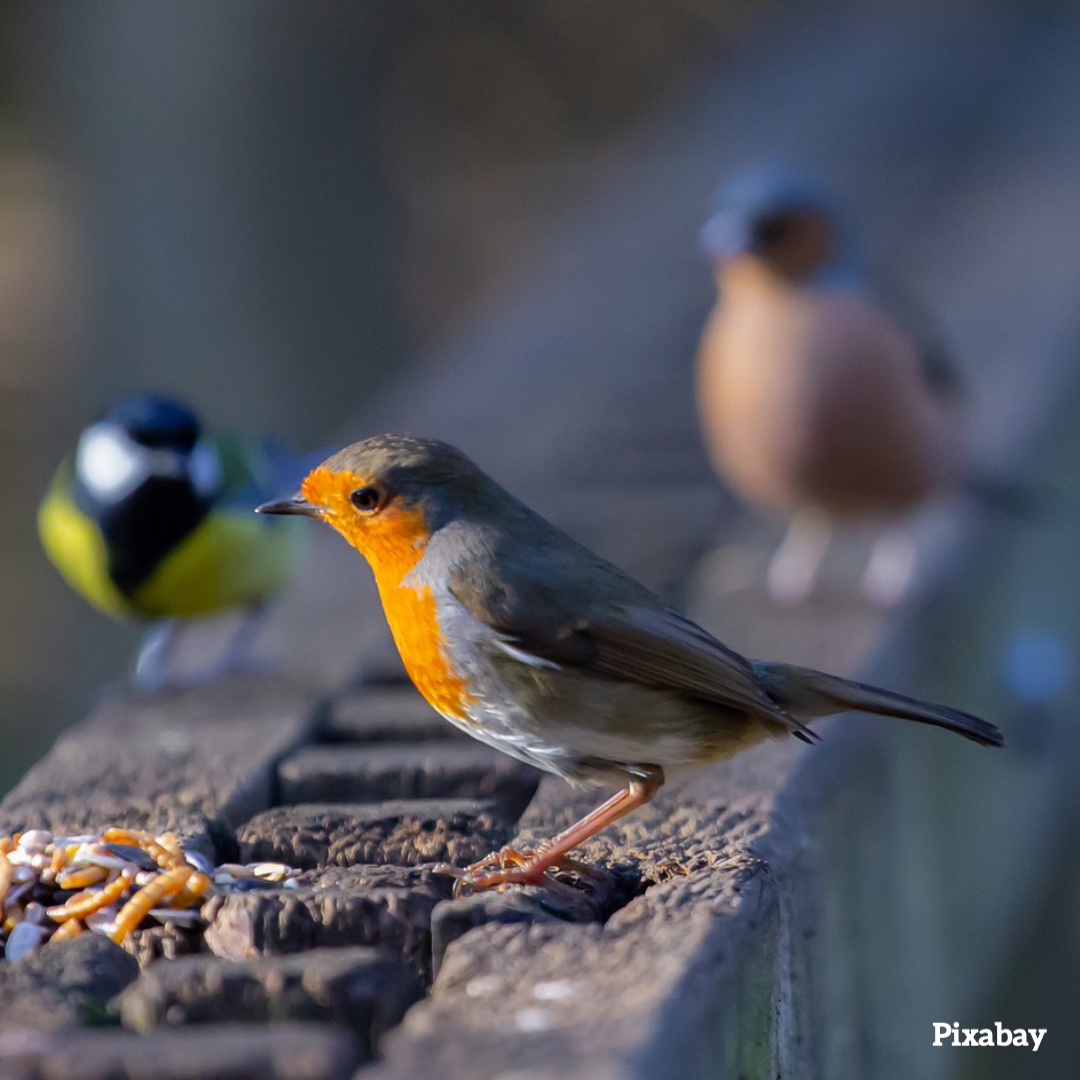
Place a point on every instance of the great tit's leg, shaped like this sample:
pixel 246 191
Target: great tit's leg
pixel 152 669
pixel 531 868
pixel 152 663
pixel 794 568
pixel 240 655
pixel 891 567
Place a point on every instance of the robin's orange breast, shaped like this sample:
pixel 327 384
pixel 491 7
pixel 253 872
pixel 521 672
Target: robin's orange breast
pixel 414 622
pixel 393 542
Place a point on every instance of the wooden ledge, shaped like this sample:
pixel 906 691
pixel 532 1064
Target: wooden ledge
pixel 805 911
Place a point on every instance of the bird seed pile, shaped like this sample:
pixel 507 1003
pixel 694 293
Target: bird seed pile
pixel 56 887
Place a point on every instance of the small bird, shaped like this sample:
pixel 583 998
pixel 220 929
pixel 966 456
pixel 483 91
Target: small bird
pixel 150 519
pixel 813 400
pixel 531 643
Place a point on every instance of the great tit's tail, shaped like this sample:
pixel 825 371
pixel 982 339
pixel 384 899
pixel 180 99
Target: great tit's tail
pixel 808 694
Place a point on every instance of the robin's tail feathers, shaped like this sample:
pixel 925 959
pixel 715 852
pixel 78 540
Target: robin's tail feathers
pixel 808 694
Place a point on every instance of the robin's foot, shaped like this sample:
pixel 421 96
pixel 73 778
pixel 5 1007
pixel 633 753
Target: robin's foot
pixel 508 866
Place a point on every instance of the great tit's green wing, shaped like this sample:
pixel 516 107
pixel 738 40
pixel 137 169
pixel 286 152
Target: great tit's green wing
pixel 241 466
pixel 255 471
pixel 628 635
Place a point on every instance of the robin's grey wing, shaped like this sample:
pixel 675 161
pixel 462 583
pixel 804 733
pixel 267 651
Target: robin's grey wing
pixel 636 642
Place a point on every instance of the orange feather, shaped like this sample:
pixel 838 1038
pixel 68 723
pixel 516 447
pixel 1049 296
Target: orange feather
pixel 393 542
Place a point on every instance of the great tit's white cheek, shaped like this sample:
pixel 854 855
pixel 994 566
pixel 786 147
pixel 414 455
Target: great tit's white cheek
pixel 109 463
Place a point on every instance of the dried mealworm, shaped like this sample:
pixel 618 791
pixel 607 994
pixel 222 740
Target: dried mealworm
pixel 80 879
pixel 194 890
pixel 126 836
pixel 164 853
pixel 149 896
pixel 78 907
pixel 166 859
pixel 56 863
pixel 6 871
pixel 71 928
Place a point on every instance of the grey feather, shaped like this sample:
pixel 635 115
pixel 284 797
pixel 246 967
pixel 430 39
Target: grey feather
pixel 621 631
pixel 810 693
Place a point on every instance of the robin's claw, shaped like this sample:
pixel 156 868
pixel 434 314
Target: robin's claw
pixel 507 856
pixel 448 869
pixel 496 878
pixel 503 867
pixel 508 866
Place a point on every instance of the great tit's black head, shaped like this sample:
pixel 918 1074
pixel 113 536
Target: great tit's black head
pixel 157 422
pixel 147 478
pixel 145 440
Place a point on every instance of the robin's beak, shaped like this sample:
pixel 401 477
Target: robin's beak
pixel 296 505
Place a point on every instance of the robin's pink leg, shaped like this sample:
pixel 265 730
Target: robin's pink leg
pixel 510 867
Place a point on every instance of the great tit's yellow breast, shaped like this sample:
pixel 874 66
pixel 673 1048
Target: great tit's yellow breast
pixel 75 546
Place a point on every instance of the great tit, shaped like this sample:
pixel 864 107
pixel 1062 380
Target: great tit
pixel 151 519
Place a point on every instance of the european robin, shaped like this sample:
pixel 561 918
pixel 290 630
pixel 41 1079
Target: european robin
pixel 150 519
pixel 814 400
pixel 533 644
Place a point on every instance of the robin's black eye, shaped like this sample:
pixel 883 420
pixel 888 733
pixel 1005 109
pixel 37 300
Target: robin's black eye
pixel 366 499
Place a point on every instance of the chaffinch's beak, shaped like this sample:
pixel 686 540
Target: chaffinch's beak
pixel 296 505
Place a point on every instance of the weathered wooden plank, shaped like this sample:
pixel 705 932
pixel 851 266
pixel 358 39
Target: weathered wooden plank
pixel 390 909
pixel 373 772
pixel 66 985
pixel 594 899
pixel 362 990
pixel 399 832
pixel 390 714
pixel 209 1052
pixel 197 761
